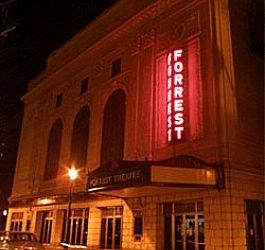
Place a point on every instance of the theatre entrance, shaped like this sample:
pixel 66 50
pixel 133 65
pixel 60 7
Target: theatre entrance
pixel 183 226
pixel 111 227
pixel 255 224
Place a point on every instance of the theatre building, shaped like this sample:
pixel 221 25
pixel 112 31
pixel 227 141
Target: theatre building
pixel 159 106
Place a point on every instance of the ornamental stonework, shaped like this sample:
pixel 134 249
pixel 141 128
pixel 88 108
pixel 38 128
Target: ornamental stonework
pixel 142 41
pixel 177 29
pixel 187 28
pixel 98 68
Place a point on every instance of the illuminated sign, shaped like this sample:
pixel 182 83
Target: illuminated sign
pixel 45 201
pixel 125 174
pixel 180 170
pixel 175 96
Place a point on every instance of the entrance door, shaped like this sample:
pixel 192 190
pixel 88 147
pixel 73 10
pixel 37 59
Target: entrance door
pixel 183 226
pixel 111 229
pixel 255 227
pixel 46 228
pixel 75 228
pixel 189 232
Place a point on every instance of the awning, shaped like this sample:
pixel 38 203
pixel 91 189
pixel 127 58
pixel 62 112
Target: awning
pixel 155 176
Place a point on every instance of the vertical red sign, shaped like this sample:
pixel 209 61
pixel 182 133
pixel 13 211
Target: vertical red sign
pixel 175 96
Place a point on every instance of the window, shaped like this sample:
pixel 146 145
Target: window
pixel 138 224
pixel 116 67
pixel 16 221
pixel 53 150
pixel 113 128
pixel 84 86
pixel 184 226
pixel 59 100
pixel 256 27
pixel 80 136
pixel 75 230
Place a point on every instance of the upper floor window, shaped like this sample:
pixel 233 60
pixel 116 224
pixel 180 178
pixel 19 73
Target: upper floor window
pixel 59 100
pixel 84 86
pixel 113 128
pixel 80 136
pixel 53 150
pixel 256 27
pixel 116 67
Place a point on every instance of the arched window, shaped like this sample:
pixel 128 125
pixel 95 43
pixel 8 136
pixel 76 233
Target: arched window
pixel 113 128
pixel 53 150
pixel 80 136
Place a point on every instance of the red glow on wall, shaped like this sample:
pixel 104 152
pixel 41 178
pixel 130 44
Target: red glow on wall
pixel 175 96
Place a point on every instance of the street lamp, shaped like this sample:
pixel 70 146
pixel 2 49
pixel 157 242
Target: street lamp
pixel 72 173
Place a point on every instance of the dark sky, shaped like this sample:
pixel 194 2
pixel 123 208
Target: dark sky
pixel 44 25
pixel 41 26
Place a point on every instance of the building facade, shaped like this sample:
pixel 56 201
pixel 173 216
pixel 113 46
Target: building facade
pixel 159 105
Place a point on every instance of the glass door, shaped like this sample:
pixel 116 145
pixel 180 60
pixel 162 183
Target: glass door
pixel 111 229
pixel 189 232
pixel 46 227
pixel 183 226
pixel 179 232
pixel 109 232
pixel 255 224
pixel 190 238
pixel 75 228
pixel 117 233
pixel 201 229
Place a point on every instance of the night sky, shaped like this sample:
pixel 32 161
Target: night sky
pixel 41 26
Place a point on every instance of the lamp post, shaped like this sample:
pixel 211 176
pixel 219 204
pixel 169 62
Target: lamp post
pixel 72 173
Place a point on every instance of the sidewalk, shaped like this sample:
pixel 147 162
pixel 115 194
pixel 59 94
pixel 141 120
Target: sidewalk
pixel 59 247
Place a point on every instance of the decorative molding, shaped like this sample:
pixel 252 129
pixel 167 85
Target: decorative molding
pixel 135 46
pixel 181 29
pixel 143 41
pixel 98 67
pixel 148 38
pixel 188 27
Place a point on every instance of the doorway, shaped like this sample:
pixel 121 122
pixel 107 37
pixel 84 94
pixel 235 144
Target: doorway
pixel 111 228
pixel 184 226
pixel 46 227
pixel 255 226
pixel 75 228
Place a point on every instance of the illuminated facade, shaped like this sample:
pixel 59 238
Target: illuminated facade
pixel 156 111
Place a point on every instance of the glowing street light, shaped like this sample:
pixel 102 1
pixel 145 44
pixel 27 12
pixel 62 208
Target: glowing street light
pixel 73 174
pixel 5 212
